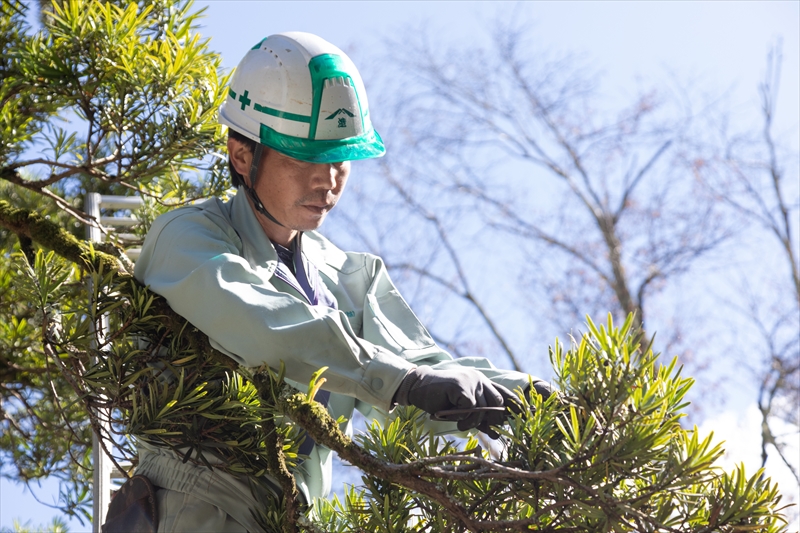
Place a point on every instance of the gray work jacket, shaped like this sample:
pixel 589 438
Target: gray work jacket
pixel 215 266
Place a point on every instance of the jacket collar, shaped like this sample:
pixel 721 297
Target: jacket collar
pixel 257 249
pixel 256 246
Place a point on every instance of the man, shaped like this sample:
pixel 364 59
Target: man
pixel 255 276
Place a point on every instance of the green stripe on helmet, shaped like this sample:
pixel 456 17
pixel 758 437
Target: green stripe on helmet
pixel 364 146
pixel 274 112
pixel 281 114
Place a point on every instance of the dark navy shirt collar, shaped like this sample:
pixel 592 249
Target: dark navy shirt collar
pixel 299 272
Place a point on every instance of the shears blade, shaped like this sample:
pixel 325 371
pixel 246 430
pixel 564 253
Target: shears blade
pixel 454 415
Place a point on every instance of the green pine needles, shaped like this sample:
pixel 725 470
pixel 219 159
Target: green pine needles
pixel 606 453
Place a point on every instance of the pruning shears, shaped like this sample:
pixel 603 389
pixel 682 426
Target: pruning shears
pixel 454 415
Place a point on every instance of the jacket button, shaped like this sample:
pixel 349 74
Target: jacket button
pixel 377 383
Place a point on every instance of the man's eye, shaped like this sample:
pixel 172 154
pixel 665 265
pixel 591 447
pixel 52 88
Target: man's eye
pixel 302 165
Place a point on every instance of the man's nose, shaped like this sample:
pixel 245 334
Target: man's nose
pixel 326 176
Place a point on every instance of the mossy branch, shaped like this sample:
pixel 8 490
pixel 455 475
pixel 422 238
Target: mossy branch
pixel 34 227
pixel 276 462
pixel 314 418
pixel 99 257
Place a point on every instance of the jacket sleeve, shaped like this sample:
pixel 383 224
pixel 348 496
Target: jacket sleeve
pixel 195 264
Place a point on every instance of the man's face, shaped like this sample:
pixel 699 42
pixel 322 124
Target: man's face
pixel 298 194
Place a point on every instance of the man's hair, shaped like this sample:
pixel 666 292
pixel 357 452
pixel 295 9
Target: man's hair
pixel 237 178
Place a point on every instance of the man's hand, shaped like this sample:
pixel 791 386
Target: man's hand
pixel 542 388
pixel 460 388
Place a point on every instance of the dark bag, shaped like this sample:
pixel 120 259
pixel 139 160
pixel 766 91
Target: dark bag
pixel 133 508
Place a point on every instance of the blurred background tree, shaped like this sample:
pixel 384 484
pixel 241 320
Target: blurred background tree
pixel 517 191
pixel 754 174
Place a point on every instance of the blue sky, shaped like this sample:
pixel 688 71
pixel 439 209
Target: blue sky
pixel 719 45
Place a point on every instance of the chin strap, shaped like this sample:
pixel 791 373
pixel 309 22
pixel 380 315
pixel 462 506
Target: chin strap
pixel 251 191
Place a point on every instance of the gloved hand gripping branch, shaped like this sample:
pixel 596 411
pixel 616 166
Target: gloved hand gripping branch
pixel 435 390
pixel 542 388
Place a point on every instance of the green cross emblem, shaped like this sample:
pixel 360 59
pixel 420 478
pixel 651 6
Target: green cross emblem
pixel 244 100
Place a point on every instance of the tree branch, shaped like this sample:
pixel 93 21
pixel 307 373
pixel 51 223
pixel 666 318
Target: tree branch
pixel 314 418
pixel 454 258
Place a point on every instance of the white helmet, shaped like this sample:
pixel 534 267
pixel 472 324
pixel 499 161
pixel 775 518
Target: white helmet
pixel 302 96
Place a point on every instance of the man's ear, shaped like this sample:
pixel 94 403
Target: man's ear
pixel 240 157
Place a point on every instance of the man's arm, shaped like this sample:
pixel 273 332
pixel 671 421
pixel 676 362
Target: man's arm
pixel 195 264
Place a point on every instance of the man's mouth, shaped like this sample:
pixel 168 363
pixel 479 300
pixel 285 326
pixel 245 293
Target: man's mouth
pixel 319 208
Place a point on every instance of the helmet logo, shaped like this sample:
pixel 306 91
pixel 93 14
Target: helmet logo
pixel 341 121
pixel 244 100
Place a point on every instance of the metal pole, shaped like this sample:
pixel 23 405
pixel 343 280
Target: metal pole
pixel 103 467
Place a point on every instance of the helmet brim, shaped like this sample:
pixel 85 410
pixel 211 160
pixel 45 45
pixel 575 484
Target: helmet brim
pixel 365 146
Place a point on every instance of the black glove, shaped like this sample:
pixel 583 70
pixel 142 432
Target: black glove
pixel 457 388
pixel 542 388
